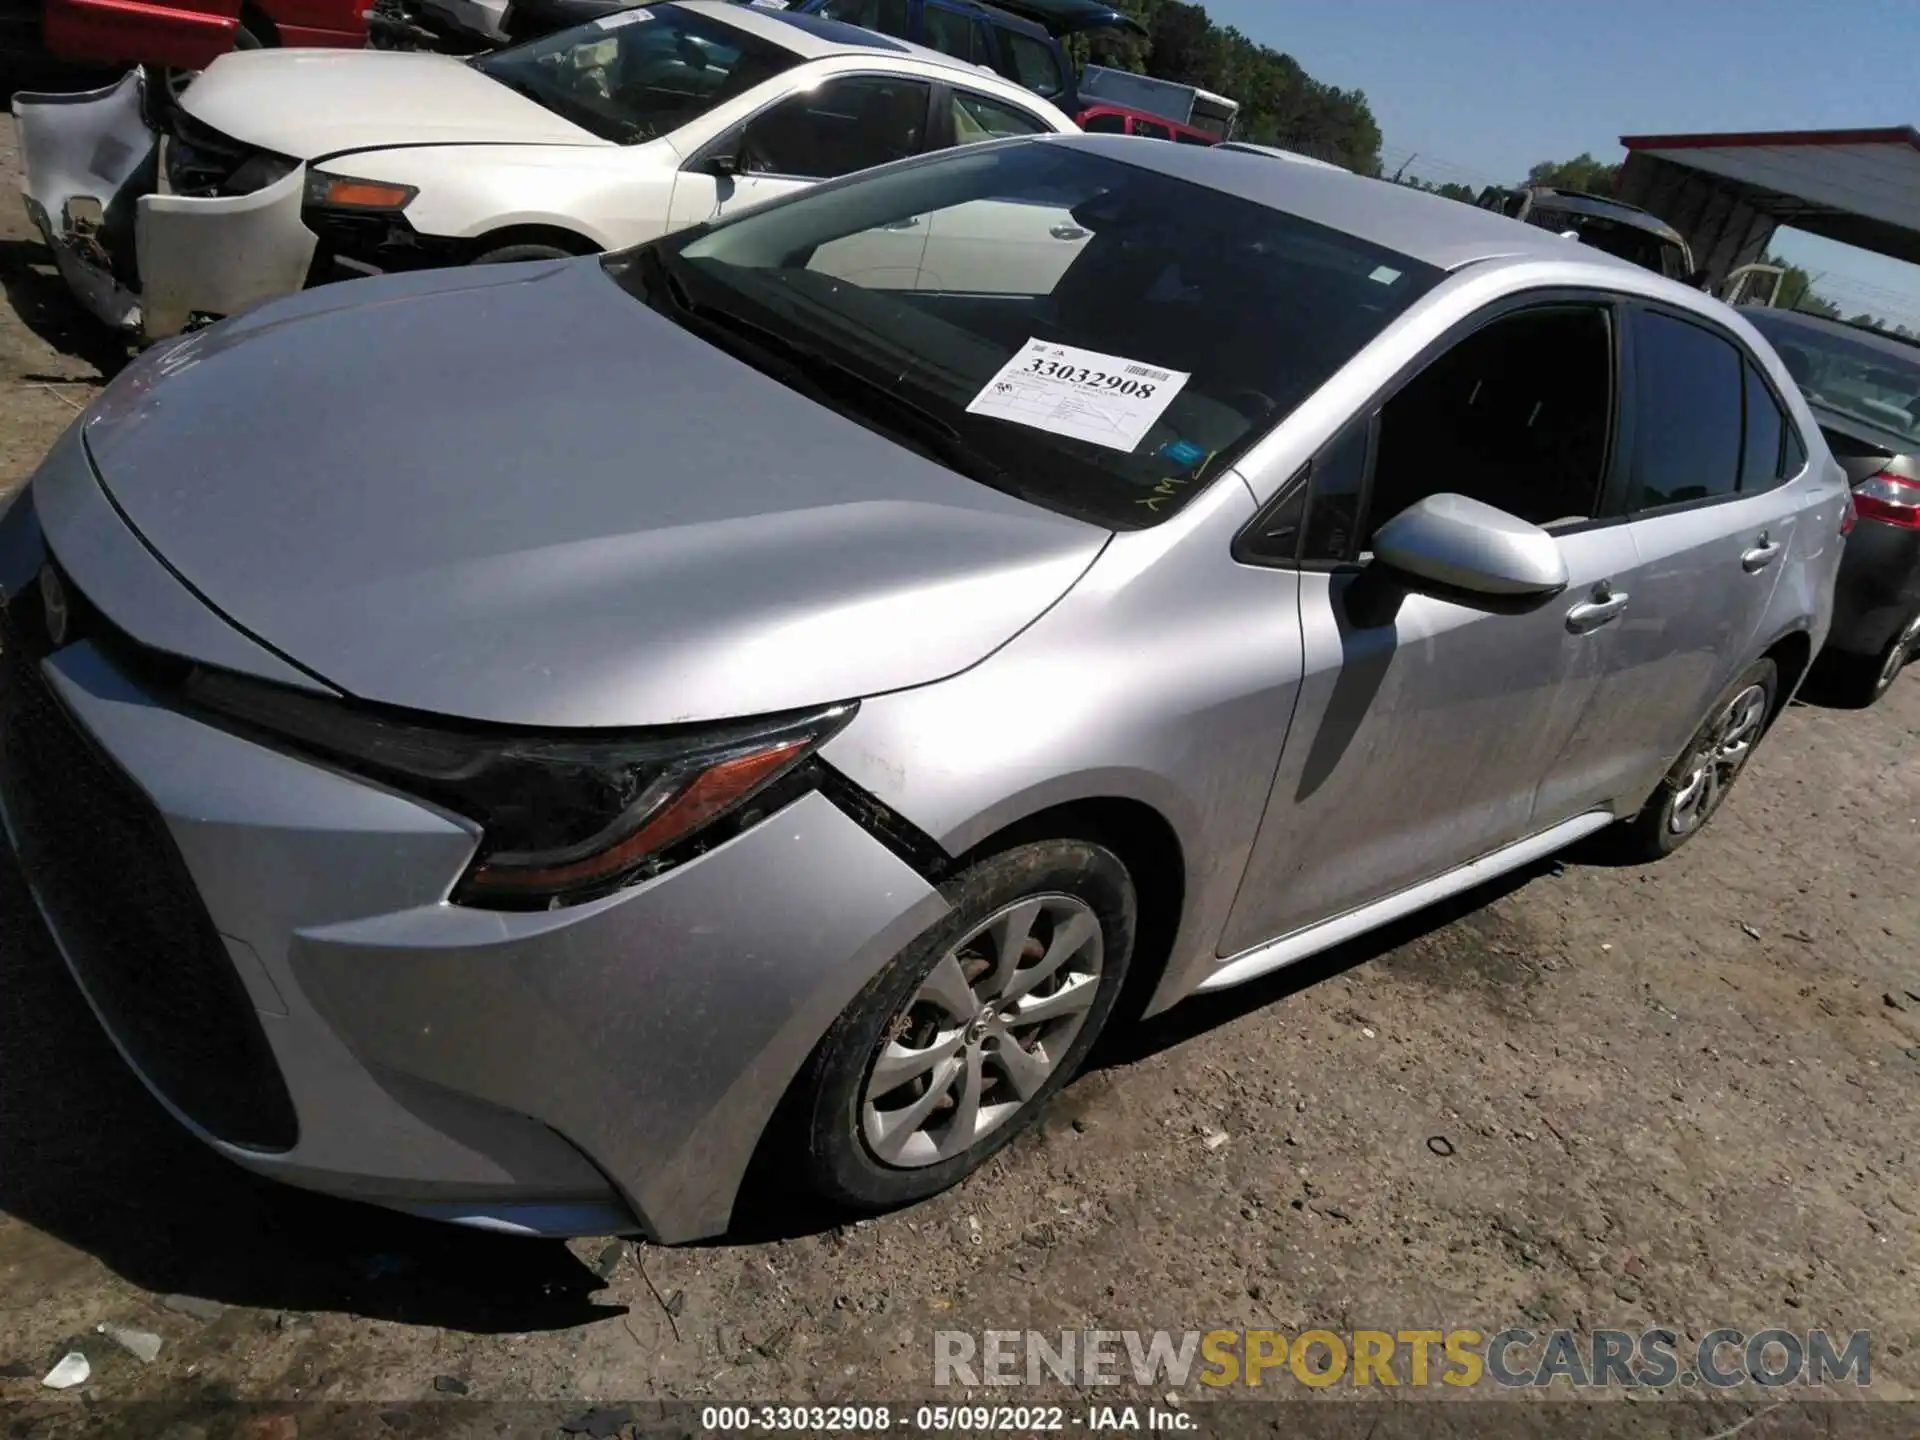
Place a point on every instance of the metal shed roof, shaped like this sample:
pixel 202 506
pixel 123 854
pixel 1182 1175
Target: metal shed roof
pixel 1860 187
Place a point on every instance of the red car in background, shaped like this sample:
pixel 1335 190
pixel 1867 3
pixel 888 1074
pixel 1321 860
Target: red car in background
pixel 1119 120
pixel 189 34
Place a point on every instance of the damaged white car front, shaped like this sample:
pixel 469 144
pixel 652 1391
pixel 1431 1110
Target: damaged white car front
pixel 155 224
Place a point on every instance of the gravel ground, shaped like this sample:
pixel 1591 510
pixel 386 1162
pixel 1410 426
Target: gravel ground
pixel 1673 1095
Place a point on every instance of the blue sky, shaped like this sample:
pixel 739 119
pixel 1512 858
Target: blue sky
pixel 1478 90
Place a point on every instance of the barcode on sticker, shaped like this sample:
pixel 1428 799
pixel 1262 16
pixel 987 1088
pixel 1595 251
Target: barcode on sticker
pixel 1146 373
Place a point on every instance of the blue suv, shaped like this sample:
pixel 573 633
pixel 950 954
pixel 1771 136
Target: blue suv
pixel 1019 39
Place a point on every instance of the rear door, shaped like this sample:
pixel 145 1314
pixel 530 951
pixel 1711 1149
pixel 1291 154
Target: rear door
pixel 1710 527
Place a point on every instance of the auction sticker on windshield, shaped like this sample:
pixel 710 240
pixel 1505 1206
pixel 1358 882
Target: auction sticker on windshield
pixel 1103 399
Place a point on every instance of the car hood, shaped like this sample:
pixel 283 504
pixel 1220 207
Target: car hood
pixel 310 103
pixel 516 494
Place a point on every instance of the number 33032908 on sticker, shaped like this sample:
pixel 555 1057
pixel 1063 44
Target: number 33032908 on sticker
pixel 1106 400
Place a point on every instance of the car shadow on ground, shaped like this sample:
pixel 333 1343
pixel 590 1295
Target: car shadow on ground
pixel 45 306
pixel 92 1159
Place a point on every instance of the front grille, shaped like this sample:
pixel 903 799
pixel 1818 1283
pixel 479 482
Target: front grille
pixel 102 862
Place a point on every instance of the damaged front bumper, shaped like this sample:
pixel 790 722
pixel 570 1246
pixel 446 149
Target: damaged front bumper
pixel 136 256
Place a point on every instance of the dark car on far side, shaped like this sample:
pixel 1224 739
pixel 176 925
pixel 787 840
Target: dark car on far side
pixel 1863 386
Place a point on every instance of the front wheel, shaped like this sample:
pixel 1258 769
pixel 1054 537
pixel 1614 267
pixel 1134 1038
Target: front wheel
pixel 1698 783
pixel 520 254
pixel 954 1048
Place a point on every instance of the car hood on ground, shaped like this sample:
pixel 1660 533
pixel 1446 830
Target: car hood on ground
pixel 516 494
pixel 309 103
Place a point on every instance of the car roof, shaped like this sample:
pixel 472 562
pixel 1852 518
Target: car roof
pixel 1275 152
pixel 1579 203
pixel 1431 228
pixel 1899 347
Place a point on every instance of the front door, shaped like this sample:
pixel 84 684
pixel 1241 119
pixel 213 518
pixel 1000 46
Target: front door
pixel 849 123
pixel 1426 726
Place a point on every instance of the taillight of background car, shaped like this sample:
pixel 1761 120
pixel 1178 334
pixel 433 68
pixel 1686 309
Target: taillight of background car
pixel 1890 499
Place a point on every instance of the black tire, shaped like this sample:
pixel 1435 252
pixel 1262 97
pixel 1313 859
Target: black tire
pixel 1656 831
pixel 1860 680
pixel 841 1165
pixel 520 254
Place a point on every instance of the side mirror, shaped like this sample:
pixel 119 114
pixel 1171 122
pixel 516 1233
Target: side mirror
pixel 724 163
pixel 1461 544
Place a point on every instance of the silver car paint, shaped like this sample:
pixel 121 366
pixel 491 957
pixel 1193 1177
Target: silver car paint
pixel 1168 679
pixel 734 568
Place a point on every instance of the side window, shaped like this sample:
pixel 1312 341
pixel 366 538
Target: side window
pixel 1686 413
pixel 1794 460
pixel 1151 130
pixel 1517 415
pixel 1188 137
pixel 976 118
pixel 947 31
pixel 1760 467
pixel 889 17
pixel 1105 123
pixel 844 125
pixel 1031 63
pixel 1337 485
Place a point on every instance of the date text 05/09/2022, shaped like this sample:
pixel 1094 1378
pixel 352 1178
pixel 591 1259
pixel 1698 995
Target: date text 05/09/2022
pixel 939 1419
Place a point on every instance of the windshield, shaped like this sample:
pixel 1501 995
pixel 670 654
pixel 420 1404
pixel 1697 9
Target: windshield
pixel 1091 335
pixel 1849 377
pixel 1628 242
pixel 638 74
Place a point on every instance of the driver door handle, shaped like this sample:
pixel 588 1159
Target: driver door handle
pixel 1761 555
pixel 1068 232
pixel 1606 605
pixel 912 222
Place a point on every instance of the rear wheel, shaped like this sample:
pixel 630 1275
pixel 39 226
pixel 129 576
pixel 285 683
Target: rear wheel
pixel 1698 783
pixel 1866 678
pixel 954 1048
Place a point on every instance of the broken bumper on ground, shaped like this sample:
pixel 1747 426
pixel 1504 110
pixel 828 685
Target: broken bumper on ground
pixel 135 256
pixel 270 944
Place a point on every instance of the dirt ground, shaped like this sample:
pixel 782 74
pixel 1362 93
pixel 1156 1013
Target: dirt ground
pixel 1674 1095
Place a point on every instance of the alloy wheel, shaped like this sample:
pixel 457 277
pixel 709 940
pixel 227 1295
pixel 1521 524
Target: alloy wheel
pixel 1717 759
pixel 983 1032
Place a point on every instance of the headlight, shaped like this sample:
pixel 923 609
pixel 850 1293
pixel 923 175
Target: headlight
pixel 345 192
pixel 564 819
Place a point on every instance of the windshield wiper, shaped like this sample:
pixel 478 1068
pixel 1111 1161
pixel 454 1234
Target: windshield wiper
pixel 832 381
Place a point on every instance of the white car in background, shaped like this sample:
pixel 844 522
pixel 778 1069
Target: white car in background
pixel 281 168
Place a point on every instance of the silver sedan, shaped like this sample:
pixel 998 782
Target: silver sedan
pixel 513 745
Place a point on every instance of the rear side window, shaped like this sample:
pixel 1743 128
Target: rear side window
pixel 1105 124
pixel 1187 137
pixel 947 31
pixel 976 118
pixel 1688 413
pixel 1762 463
pixel 1031 63
pixel 1151 130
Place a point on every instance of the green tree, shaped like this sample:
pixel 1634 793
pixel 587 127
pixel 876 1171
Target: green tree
pixel 1280 104
pixel 1582 173
pixel 1796 290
